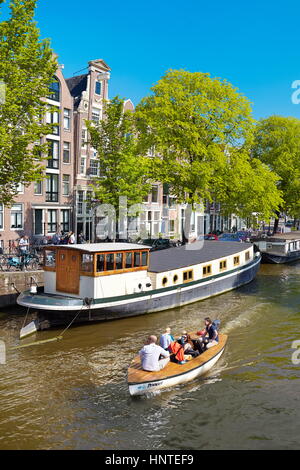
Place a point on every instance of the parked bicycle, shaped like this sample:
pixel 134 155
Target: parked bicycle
pixel 24 262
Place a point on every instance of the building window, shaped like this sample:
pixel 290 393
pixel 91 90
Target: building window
pixel 188 275
pixel 1 216
pixel 98 88
pixel 172 225
pixel 83 137
pixel 20 188
pixel 223 265
pixel 16 216
pixel 236 260
pixel 67 119
pixel 54 90
pixel 80 203
pixel 95 115
pixel 82 169
pixel 52 188
pixel 52 220
pixel 66 154
pixel 66 185
pixel 52 117
pixel 38 187
pixel 65 215
pixel 53 154
pixel 247 255
pixel 94 167
pixel 155 193
pixel 206 270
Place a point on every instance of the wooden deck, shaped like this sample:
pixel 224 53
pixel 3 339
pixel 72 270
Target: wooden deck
pixel 137 375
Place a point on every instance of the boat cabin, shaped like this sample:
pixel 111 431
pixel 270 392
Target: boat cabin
pixel 96 270
pixel 279 244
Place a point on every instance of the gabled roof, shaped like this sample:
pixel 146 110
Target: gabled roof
pixel 100 62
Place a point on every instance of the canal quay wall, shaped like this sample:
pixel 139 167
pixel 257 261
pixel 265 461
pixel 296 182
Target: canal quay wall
pixel 11 283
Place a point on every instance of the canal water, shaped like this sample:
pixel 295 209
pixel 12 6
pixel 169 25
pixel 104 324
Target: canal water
pixel 72 394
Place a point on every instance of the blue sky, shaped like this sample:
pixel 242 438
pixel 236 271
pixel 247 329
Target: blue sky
pixel 254 45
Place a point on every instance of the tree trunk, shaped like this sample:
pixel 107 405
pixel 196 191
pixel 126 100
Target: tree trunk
pixel 276 222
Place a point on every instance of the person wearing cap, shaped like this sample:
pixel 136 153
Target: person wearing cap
pixel 166 339
pixel 150 355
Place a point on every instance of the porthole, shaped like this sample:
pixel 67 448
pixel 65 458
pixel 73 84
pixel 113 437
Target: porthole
pixel 175 278
pixel 165 281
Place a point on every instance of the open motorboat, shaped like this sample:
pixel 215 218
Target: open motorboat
pixel 141 382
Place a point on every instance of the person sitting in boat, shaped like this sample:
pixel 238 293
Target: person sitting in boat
pixel 166 339
pixel 150 355
pixel 188 345
pixel 211 337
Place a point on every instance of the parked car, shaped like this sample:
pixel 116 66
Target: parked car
pixel 159 243
pixel 229 237
pixel 211 236
pixel 244 235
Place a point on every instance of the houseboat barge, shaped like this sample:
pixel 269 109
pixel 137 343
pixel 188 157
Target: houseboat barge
pixel 279 248
pixel 110 281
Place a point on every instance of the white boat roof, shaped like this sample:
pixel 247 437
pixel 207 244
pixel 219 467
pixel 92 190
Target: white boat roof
pixel 102 247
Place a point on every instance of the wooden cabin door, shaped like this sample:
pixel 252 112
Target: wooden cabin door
pixel 67 271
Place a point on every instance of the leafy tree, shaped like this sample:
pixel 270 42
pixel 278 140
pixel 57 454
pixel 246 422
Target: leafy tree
pixel 202 130
pixel 27 66
pixel 277 145
pixel 123 171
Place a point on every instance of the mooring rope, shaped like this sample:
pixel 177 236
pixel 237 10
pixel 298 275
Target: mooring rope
pixel 56 338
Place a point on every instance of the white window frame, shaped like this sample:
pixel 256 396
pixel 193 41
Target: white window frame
pixel 17 212
pixel 67 119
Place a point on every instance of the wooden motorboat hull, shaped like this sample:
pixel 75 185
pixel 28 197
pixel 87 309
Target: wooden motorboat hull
pixel 141 382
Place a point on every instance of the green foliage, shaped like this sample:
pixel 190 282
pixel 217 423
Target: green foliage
pixel 124 172
pixel 202 129
pixel 27 66
pixel 277 144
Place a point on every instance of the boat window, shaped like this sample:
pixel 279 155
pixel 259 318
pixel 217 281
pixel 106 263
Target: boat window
pixel 128 260
pixel 223 265
pixel 144 258
pixel 100 263
pixel 110 262
pixel 247 255
pixel 206 270
pixel 236 260
pixel 175 278
pixel 165 281
pixel 119 260
pixel 87 263
pixel 137 259
pixel 50 258
pixel 188 275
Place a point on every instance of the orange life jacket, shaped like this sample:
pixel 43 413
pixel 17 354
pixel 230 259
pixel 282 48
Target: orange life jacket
pixel 178 350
